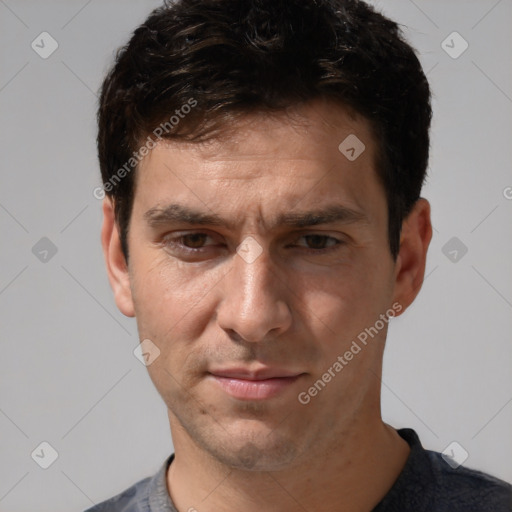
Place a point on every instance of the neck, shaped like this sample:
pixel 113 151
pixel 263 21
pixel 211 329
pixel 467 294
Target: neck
pixel 351 475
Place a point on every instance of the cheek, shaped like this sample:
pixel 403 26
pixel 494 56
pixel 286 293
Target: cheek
pixel 172 304
pixel 348 302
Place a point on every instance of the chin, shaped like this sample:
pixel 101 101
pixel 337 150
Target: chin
pixel 249 436
pixel 247 446
pixel 251 456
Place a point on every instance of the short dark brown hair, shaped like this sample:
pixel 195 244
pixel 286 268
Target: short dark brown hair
pixel 226 58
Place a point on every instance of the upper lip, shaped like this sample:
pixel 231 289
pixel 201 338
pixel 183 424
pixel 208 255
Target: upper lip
pixel 261 373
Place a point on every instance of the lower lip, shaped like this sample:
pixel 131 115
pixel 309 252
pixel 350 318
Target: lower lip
pixel 254 389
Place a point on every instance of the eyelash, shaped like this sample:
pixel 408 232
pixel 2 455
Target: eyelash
pixel 177 241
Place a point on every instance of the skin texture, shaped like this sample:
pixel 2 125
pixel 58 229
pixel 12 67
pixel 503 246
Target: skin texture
pixel 291 308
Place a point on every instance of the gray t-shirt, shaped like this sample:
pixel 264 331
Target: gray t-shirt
pixel 427 483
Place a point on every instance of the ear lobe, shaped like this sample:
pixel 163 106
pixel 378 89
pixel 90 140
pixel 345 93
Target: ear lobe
pixel 412 257
pixel 117 268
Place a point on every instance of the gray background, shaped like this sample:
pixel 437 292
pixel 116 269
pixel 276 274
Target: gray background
pixel 68 373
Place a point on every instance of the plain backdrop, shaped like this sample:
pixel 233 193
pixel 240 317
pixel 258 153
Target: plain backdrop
pixel 68 374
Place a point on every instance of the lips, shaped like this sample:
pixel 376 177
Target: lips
pixel 261 373
pixel 258 384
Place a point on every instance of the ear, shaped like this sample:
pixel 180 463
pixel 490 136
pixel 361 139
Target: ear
pixel 410 264
pixel 117 268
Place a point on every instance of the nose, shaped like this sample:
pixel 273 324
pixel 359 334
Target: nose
pixel 253 304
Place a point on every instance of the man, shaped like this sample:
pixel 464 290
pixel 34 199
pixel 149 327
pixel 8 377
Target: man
pixel 263 162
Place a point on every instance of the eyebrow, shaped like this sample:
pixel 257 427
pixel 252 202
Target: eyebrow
pixel 179 214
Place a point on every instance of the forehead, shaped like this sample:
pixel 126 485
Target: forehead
pixel 312 131
pixel 317 151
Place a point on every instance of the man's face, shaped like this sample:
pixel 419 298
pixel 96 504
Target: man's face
pixel 291 300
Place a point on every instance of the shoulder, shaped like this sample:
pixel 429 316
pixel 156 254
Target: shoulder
pixel 127 501
pixel 467 489
pixel 141 496
pixel 429 483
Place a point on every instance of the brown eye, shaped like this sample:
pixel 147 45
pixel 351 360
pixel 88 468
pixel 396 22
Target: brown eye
pixel 194 240
pixel 316 241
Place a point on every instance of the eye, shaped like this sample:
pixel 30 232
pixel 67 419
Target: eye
pixel 188 243
pixel 318 243
pixel 194 240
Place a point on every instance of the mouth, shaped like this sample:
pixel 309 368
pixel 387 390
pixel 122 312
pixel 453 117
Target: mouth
pixel 260 384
